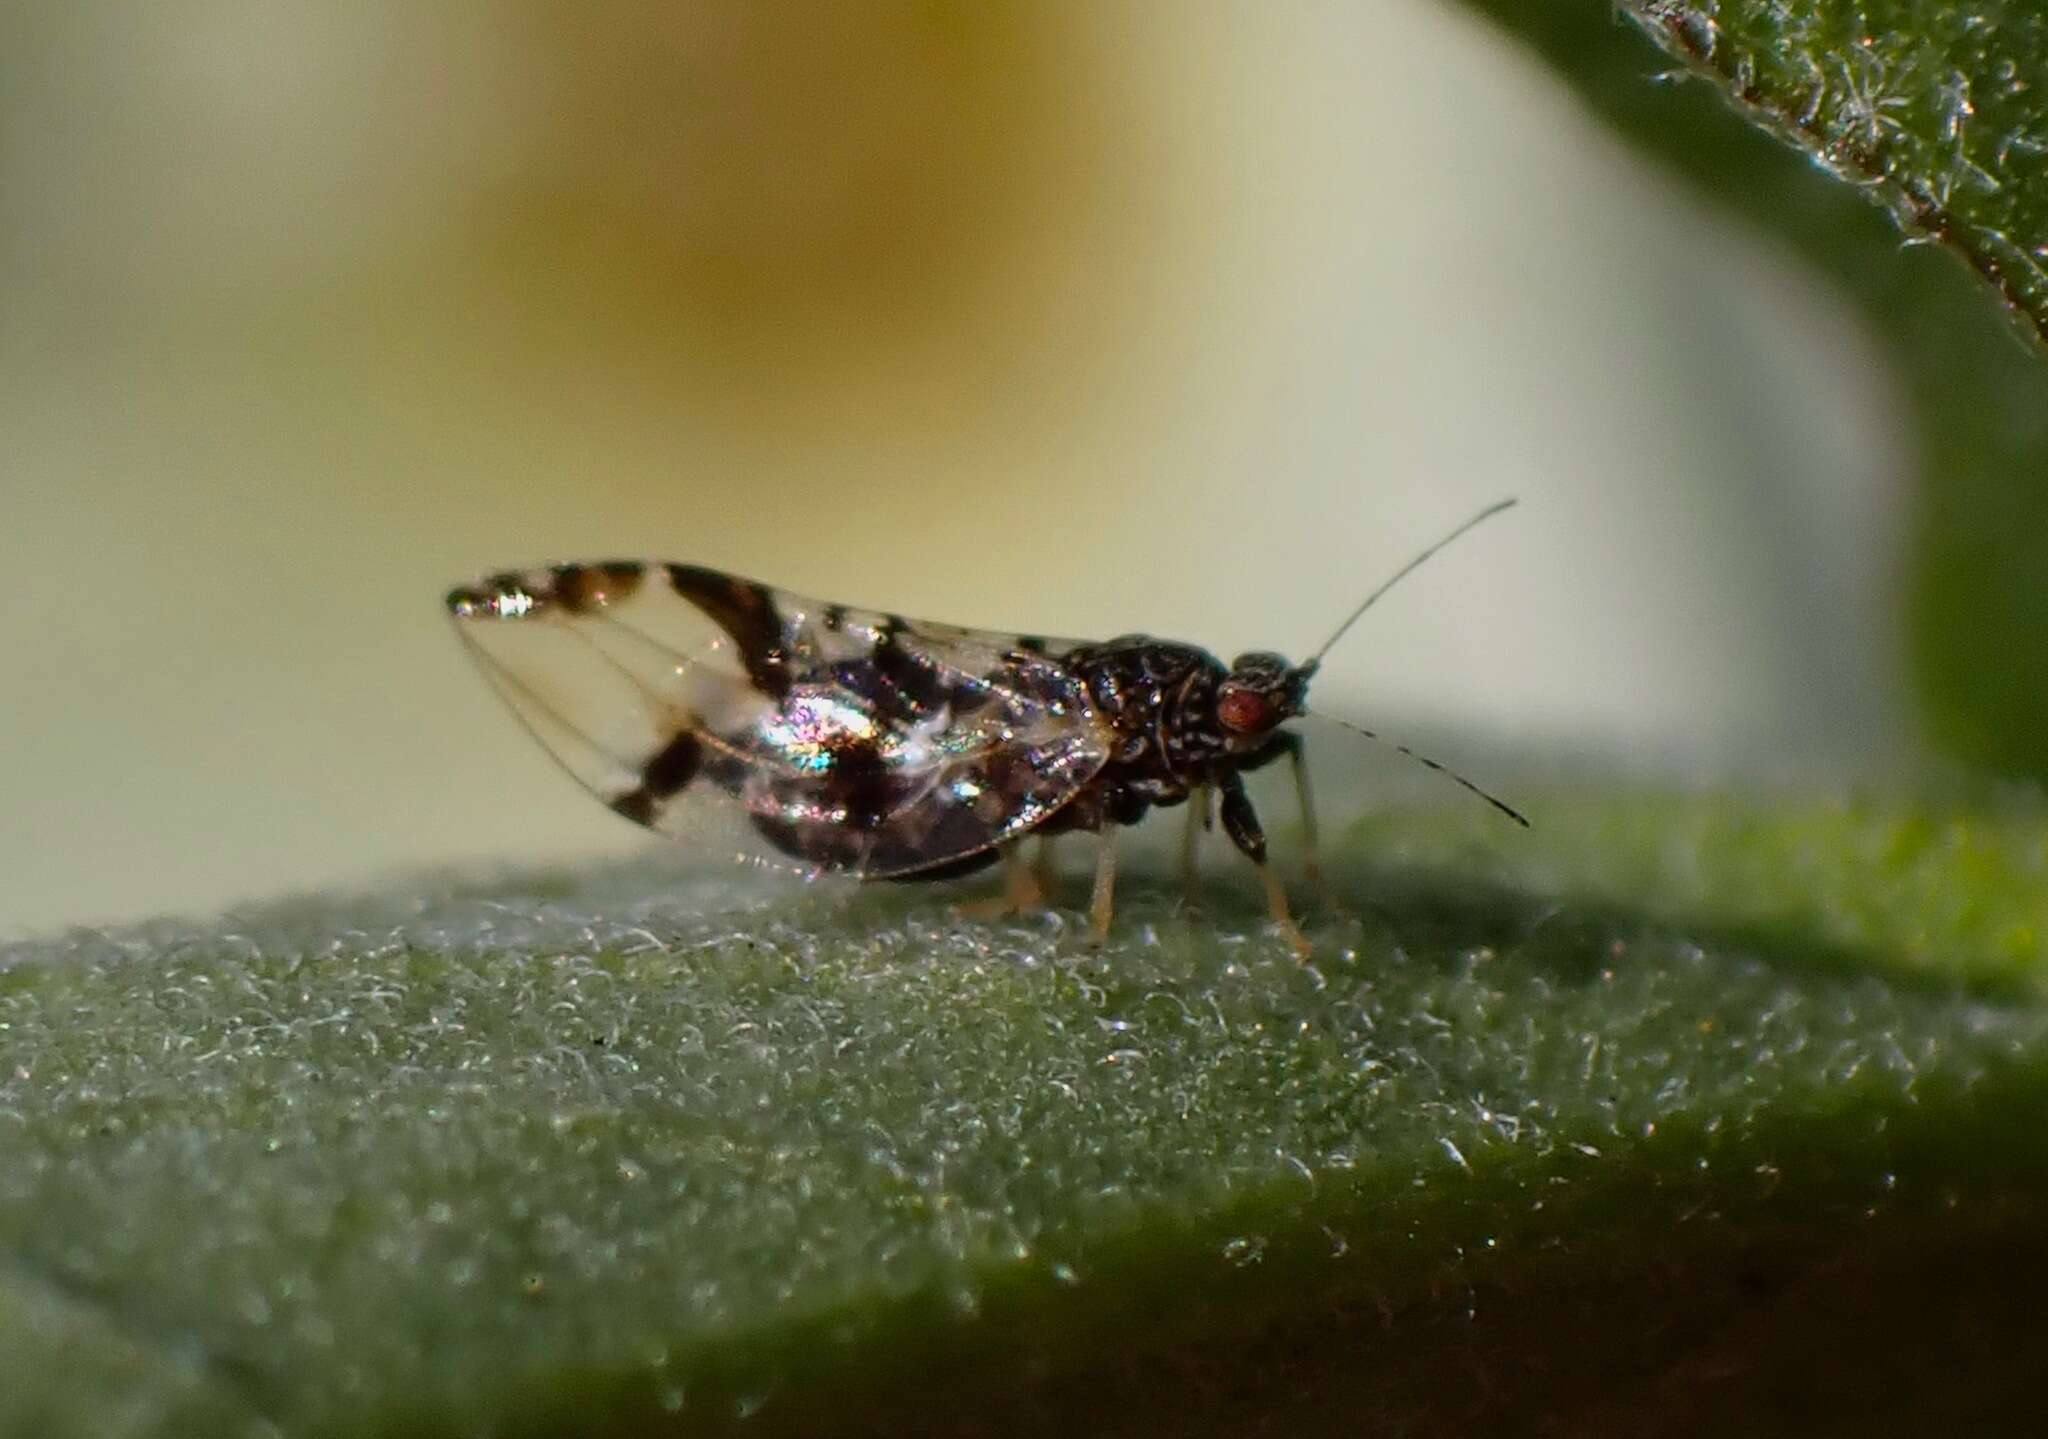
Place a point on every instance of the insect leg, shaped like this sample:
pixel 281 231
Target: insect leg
pixel 1298 758
pixel 1102 906
pixel 1043 869
pixel 1241 823
pixel 1295 748
pixel 1021 894
pixel 1201 815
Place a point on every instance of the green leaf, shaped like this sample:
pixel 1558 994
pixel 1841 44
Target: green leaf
pixel 1937 112
pixel 1934 109
pixel 624 1151
pixel 1930 893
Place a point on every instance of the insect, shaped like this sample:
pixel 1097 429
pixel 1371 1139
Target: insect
pixel 860 742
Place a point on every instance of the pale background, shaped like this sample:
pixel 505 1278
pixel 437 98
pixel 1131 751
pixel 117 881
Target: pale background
pixel 1083 319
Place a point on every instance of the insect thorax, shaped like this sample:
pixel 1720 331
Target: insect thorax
pixel 1160 699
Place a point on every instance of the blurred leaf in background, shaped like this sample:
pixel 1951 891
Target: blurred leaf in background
pixel 1938 113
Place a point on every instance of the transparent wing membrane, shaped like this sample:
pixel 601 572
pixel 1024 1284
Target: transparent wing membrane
pixel 706 706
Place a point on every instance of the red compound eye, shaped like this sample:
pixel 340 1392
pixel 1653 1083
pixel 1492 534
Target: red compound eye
pixel 1243 712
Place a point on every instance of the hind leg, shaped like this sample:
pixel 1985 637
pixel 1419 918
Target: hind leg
pixel 1042 868
pixel 1023 893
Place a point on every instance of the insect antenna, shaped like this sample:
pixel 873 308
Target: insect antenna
pixel 1443 769
pixel 1488 513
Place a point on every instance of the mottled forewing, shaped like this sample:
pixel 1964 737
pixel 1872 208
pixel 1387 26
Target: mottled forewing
pixel 839 739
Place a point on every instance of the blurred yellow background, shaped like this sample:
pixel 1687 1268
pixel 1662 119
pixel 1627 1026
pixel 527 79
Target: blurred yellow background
pixel 1080 318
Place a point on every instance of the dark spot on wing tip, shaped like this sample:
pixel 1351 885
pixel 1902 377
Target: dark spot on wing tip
pixel 503 596
pixel 579 589
pixel 575 589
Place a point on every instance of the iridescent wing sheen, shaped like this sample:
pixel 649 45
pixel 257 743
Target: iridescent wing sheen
pixel 845 740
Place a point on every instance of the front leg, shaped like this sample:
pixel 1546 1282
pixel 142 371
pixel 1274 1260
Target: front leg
pixel 1295 748
pixel 1241 823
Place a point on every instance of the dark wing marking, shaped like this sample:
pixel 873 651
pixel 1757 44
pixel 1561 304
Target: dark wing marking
pixel 846 739
pixel 748 614
pixel 666 774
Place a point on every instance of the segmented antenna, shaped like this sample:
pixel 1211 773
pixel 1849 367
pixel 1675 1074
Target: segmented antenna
pixel 1443 769
pixel 1486 514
